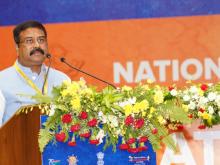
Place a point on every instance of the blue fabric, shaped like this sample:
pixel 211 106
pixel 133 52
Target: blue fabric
pixel 13 86
pixel 87 154
pixel 59 11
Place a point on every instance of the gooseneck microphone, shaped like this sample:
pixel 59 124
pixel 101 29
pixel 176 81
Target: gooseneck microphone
pixel 62 59
pixel 47 73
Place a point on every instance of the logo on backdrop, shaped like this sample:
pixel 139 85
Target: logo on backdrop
pixel 139 160
pixel 72 160
pixel 100 157
pixel 54 162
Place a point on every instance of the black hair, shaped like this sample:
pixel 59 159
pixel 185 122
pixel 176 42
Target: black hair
pixel 25 25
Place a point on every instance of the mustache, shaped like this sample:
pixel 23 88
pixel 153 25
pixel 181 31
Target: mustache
pixel 36 50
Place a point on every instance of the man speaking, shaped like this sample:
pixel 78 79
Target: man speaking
pixel 28 75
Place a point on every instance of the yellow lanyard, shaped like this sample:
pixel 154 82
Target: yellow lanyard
pixel 29 81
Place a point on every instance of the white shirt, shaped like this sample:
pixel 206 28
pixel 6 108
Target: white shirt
pixel 2 107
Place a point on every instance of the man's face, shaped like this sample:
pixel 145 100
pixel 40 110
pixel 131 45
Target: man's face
pixel 32 41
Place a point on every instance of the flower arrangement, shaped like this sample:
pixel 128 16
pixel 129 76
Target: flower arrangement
pixel 145 112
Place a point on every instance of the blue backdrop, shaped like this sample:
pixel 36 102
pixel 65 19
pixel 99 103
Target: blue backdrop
pixel 58 11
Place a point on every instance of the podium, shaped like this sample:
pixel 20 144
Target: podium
pixel 19 140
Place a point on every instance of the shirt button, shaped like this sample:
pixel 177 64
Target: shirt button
pixel 34 77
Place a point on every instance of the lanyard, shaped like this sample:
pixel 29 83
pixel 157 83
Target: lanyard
pixel 29 81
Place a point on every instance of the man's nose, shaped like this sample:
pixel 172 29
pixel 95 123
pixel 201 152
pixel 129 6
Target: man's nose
pixel 36 44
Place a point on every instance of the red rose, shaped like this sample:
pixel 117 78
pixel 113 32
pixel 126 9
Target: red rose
pixel 83 115
pixel 204 87
pixel 75 128
pixel 133 150
pixel 180 127
pixel 202 126
pixel 190 116
pixel 94 141
pixel 92 123
pixel 142 148
pixel 139 123
pixel 129 120
pixel 143 139
pixel 154 131
pixel 201 110
pixel 170 88
pixel 131 140
pixel 123 147
pixel 67 118
pixel 85 135
pixel 71 143
pixel 60 137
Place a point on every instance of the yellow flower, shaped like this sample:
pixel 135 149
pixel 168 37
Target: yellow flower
pixel 158 97
pixel 128 109
pixel 201 92
pixel 87 91
pixel 126 88
pixel 75 103
pixel 145 87
pixel 141 106
pixel 66 82
pixel 143 113
pixel 185 107
pixel 206 116
pixel 161 119
pixel 152 110
pixel 64 92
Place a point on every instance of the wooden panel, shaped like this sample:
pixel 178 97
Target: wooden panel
pixel 19 140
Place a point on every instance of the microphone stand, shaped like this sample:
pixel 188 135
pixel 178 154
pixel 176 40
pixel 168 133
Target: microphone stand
pixel 62 59
pixel 46 75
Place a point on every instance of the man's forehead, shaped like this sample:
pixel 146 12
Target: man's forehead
pixel 32 32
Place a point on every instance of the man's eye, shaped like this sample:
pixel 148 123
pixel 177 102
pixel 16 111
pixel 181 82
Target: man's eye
pixel 28 41
pixel 41 40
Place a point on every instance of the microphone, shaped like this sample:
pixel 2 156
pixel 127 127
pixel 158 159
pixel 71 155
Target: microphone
pixel 47 73
pixel 62 59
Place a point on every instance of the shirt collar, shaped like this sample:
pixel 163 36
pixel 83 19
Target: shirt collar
pixel 28 70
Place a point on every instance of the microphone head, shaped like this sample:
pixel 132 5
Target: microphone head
pixel 62 59
pixel 48 55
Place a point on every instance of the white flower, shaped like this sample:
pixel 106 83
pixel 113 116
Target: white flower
pixel 186 98
pixel 113 121
pixel 195 96
pixel 211 96
pixel 211 110
pixel 127 102
pixel 217 100
pixel 193 89
pixel 202 101
pixel 192 105
pixel 173 92
pixel 100 136
pixel 52 110
pixel 132 100
pixel 100 114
